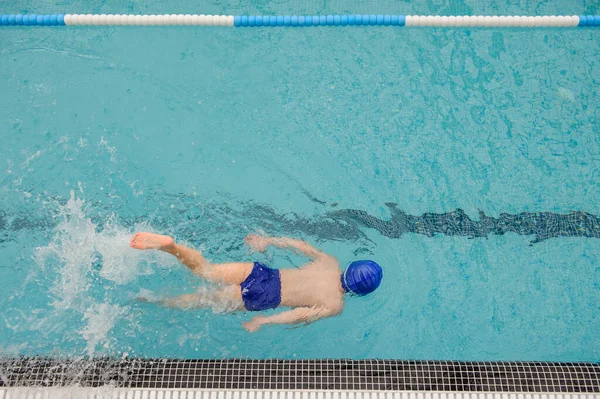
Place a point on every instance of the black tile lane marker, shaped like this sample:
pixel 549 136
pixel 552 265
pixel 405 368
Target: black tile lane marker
pixel 542 225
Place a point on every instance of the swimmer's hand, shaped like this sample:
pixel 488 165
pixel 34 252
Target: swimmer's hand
pixel 257 243
pixel 254 324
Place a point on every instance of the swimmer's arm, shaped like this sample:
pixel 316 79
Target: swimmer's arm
pixel 302 246
pixel 260 243
pixel 295 316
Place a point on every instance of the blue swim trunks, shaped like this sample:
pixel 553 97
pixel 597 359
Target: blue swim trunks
pixel 262 289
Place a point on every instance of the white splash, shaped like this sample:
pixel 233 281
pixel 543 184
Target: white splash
pixel 101 318
pixel 73 248
pixel 77 245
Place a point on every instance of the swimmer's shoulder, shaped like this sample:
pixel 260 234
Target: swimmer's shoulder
pixel 328 260
pixel 336 307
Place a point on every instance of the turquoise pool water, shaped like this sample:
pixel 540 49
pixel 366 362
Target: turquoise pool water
pixel 209 134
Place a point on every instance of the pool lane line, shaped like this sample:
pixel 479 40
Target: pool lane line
pixel 477 21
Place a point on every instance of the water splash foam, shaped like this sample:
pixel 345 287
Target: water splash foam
pixel 76 248
pixel 101 318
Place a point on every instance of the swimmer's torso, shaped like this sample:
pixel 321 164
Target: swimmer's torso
pixel 316 284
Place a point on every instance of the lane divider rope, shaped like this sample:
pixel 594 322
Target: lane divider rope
pixel 299 21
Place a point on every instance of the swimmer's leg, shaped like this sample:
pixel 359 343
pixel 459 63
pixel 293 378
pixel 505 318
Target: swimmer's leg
pixel 226 299
pixel 228 273
pixel 187 301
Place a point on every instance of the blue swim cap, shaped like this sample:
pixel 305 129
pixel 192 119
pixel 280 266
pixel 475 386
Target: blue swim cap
pixel 362 277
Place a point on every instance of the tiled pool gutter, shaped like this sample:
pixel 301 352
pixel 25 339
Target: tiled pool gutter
pixel 294 379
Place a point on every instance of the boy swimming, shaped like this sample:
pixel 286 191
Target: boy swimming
pixel 313 291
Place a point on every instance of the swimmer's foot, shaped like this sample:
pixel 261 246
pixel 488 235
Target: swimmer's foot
pixel 151 241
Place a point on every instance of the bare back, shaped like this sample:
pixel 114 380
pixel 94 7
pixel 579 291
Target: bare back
pixel 316 284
